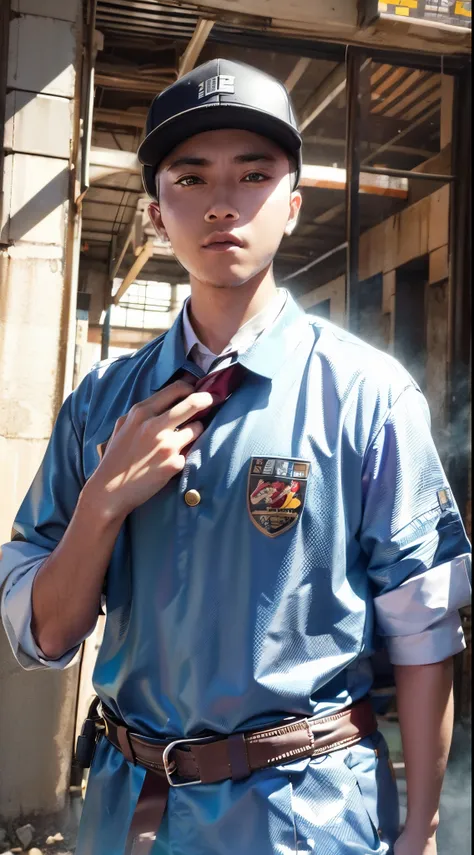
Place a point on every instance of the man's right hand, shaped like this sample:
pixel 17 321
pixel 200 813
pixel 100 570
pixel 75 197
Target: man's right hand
pixel 142 455
pixel 145 449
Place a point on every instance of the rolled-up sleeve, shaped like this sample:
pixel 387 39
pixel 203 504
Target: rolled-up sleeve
pixel 419 558
pixel 39 526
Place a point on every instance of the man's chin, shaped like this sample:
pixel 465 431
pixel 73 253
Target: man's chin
pixel 233 276
pixel 227 279
pixel 236 283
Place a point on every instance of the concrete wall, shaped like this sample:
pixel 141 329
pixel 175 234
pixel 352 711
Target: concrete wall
pixel 38 261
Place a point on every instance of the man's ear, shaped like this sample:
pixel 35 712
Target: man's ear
pixel 155 216
pixel 295 206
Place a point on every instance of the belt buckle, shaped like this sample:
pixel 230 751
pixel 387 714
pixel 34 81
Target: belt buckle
pixel 170 766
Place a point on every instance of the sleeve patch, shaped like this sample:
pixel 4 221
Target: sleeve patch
pixel 444 497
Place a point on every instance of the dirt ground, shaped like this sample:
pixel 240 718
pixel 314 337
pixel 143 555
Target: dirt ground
pixel 62 825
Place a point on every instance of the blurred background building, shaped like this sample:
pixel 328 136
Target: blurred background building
pixel 382 92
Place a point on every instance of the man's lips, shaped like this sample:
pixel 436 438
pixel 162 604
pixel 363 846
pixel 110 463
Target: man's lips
pixel 222 241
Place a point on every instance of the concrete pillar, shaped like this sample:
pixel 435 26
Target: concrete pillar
pixel 38 273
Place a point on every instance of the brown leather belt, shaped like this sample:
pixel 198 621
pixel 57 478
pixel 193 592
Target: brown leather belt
pixel 208 760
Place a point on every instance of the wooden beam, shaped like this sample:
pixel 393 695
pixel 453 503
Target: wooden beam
pixel 400 108
pixel 101 237
pixel 382 70
pixel 131 83
pixel 395 75
pixel 331 178
pixel 432 98
pixel 329 89
pixel 125 118
pixel 297 73
pixel 195 46
pixel 123 249
pixel 134 271
pixel 110 160
pixel 407 82
pixel 153 71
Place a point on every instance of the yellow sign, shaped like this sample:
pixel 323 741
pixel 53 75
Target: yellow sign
pixel 464 9
pixel 409 4
pixel 444 12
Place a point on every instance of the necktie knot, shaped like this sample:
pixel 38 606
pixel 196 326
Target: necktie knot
pixel 220 384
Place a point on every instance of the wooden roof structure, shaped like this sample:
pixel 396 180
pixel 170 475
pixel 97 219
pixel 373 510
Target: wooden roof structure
pixel 147 44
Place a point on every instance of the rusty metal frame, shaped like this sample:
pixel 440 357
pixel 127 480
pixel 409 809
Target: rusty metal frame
pixel 88 105
pixel 408 173
pixel 195 45
pixel 460 252
pixel 5 11
pixel 459 378
pixel 105 328
pixel 354 61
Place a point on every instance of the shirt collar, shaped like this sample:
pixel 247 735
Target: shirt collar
pixel 264 357
pixel 243 338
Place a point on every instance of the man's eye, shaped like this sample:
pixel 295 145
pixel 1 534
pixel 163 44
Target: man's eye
pixel 189 180
pixel 256 177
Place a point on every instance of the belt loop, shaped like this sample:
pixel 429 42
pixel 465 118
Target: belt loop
pixel 126 745
pixel 238 758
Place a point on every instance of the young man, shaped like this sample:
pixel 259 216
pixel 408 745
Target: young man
pixel 249 539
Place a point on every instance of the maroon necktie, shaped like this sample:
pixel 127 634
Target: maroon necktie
pixel 221 384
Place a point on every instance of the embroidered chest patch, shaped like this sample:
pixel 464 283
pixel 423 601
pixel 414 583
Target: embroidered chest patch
pixel 276 493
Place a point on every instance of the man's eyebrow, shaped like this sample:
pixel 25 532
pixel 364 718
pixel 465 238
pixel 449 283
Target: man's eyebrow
pixel 250 157
pixel 253 156
pixel 188 161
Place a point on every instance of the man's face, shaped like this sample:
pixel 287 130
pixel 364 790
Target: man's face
pixel 225 201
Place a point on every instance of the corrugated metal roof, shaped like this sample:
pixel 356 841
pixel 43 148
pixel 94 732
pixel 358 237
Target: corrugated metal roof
pixel 147 18
pixel 152 18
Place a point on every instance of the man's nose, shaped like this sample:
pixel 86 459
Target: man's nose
pixel 221 211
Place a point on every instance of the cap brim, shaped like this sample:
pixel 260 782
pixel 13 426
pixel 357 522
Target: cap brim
pixel 211 117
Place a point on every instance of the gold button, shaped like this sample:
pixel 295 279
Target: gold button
pixel 192 498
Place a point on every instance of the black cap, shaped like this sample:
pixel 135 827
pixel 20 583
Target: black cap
pixel 219 94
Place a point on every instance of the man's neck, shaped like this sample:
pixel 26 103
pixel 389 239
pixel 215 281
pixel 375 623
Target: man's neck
pixel 217 313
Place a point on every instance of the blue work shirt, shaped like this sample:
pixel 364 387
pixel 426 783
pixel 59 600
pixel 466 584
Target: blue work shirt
pixel 242 610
